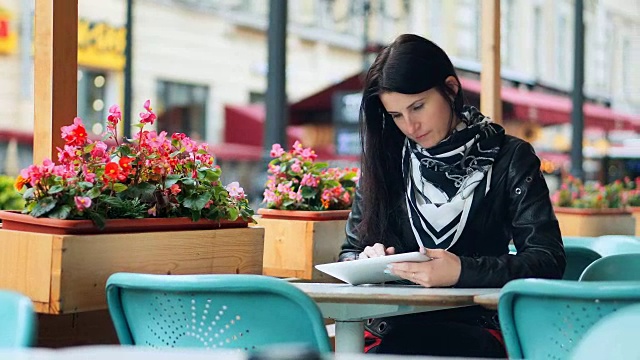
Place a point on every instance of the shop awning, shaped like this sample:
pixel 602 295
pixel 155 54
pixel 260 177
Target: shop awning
pixel 548 109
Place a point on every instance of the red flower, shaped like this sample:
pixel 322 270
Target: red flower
pixel 112 171
pixel 125 164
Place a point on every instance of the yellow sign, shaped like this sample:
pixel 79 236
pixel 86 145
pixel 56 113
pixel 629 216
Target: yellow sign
pixel 101 45
pixel 8 37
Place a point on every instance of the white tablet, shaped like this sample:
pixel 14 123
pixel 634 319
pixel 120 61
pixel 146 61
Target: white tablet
pixel 370 270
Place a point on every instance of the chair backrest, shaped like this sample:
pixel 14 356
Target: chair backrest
pixel 17 320
pixel 618 332
pixel 213 311
pixel 606 245
pixel 623 267
pixel 547 318
pixel 578 258
pixel 582 251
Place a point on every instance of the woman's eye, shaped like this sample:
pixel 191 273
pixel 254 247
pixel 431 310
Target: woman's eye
pixel 395 116
pixel 418 107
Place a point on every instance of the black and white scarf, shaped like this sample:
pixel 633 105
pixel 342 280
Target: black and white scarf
pixel 445 183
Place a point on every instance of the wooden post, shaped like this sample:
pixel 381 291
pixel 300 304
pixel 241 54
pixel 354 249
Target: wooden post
pixel 490 99
pixel 55 73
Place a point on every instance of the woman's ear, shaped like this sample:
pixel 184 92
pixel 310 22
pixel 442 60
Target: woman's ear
pixel 452 83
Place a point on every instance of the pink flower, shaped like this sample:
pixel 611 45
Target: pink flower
pixel 75 134
pixel 115 115
pixel 296 168
pixel 152 211
pixel 68 154
pixel 155 140
pixel 309 180
pixel 175 189
pixel 88 176
pixel 308 154
pixel 276 150
pixel 274 169
pixel 149 117
pixel 235 191
pixel 100 150
pixel 82 202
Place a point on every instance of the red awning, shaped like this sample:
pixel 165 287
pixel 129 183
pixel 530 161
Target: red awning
pixel 548 109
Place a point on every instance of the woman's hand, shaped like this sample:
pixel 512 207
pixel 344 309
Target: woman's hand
pixel 376 250
pixel 442 270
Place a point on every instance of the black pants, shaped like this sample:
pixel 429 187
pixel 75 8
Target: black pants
pixel 459 332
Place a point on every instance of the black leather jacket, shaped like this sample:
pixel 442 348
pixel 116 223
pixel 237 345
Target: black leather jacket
pixel 517 207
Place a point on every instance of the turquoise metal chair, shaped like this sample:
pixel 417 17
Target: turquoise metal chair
pixel 17 320
pixel 213 311
pixel 623 267
pixel 613 337
pixel 547 318
pixel 582 251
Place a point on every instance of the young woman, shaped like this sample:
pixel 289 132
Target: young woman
pixel 440 177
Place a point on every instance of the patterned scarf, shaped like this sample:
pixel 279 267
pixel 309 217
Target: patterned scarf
pixel 446 183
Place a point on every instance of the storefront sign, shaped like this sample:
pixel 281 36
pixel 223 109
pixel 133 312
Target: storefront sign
pixel 8 36
pixel 101 45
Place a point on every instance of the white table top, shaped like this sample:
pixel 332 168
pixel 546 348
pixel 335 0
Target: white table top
pixel 391 294
pixel 141 353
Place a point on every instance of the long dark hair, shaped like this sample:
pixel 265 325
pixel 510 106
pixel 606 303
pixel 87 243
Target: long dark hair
pixel 409 65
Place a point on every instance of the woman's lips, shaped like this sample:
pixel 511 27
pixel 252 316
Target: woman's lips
pixel 420 137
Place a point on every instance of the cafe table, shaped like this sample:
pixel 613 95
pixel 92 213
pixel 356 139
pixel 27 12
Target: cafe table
pixel 111 352
pixel 489 301
pixel 350 306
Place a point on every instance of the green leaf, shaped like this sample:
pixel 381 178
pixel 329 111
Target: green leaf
pixel 288 202
pixel 202 151
pixel 139 125
pixel 188 182
pixel 85 185
pixel 332 183
pixel 233 214
pixel 171 179
pixel 88 148
pixel 55 189
pixel 98 220
pixel 195 215
pixel 196 202
pixel 93 193
pixel 118 187
pixel 28 194
pixel 124 150
pixel 43 206
pixel 309 192
pixel 320 166
pixel 348 184
pixel 210 174
pixel 175 153
pixel 141 190
pixel 61 213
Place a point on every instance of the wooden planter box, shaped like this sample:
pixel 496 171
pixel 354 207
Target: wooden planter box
pixel 67 273
pixel 635 212
pixel 594 222
pixel 296 241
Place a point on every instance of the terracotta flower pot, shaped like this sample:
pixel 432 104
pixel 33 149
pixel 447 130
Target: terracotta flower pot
pixel 304 215
pixel 14 220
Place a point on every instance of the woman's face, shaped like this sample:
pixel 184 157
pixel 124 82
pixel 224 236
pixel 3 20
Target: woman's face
pixel 423 117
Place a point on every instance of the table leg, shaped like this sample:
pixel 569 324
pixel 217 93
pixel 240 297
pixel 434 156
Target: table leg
pixel 349 336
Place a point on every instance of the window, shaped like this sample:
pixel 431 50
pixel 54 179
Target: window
pixel 561 50
pixel 538 42
pixel 506 28
pixel 182 108
pixel 256 97
pixel 469 29
pixel 92 104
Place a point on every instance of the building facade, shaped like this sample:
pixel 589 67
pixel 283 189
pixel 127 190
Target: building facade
pixel 193 57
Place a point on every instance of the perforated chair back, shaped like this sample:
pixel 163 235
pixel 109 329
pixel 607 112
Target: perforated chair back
pixel 213 311
pixel 545 319
pixel 618 332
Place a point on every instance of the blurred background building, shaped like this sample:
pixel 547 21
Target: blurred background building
pixel 203 64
